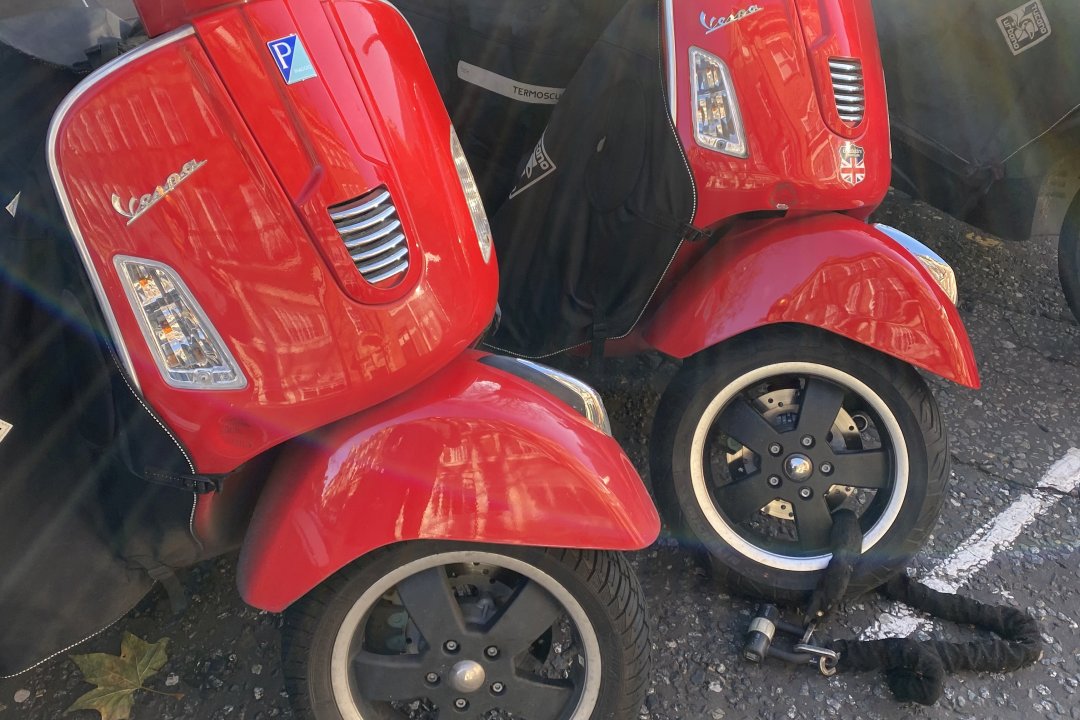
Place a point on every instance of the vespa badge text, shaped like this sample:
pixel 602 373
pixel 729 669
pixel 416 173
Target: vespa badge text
pixel 712 24
pixel 137 206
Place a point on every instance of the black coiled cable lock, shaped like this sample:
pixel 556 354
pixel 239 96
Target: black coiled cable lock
pixel 915 670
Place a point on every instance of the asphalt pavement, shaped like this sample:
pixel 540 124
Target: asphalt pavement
pixel 1008 534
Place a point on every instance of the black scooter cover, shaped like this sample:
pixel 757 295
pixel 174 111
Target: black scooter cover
pixel 78 528
pixel 589 220
pixel 972 82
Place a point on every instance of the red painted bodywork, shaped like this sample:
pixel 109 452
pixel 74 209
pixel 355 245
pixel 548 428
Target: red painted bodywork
pixel 249 232
pixel 778 58
pixel 829 271
pixel 161 16
pixel 814 261
pixel 472 454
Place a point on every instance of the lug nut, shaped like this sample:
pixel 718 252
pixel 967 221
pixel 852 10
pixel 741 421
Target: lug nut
pixel 432 678
pixel 826 468
pixel 491 651
pixel 461 704
pixel 498 688
pixel 775 449
pixel 774 481
pixel 806 493
pixel 451 646
pixel 807 441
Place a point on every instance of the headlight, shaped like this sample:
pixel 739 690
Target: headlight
pixel 472 196
pixel 717 122
pixel 187 349
pixel 940 270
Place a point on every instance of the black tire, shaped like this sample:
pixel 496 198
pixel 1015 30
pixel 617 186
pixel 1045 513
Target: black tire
pixel 1069 256
pixel 601 584
pixel 738 537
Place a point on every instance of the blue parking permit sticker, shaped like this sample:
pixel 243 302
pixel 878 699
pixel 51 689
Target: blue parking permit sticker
pixel 291 59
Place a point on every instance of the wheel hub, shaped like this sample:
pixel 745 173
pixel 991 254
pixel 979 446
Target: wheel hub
pixel 798 467
pixel 467 676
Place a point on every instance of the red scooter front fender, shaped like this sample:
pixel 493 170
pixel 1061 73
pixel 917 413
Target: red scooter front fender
pixel 472 454
pixel 830 271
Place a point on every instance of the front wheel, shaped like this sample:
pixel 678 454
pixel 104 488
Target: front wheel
pixel 1069 256
pixel 443 630
pixel 759 440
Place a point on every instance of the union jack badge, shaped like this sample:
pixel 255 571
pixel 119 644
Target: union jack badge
pixel 852 163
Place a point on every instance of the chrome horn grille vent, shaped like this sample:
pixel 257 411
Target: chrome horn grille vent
pixel 371 230
pixel 848 89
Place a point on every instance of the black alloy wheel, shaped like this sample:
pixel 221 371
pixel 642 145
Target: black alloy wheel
pixel 759 440
pixel 435 630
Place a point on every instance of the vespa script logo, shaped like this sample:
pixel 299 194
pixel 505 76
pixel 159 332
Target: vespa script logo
pixel 137 206
pixel 712 24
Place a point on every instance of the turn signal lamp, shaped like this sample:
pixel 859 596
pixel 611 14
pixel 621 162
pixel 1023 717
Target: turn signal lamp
pixel 472 196
pixel 717 121
pixel 187 349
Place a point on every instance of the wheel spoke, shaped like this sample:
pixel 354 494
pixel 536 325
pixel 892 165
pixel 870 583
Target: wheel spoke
pixel 536 699
pixel 389 677
pixel 868 469
pixel 814 523
pixel 526 616
pixel 742 500
pixel 431 605
pixel 742 422
pixel 820 405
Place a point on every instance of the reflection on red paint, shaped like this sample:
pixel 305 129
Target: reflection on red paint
pixel 250 234
pixel 472 454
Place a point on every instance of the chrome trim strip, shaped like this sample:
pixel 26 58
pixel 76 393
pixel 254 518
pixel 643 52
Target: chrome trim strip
pixel 672 68
pixel 61 192
pixel 376 251
pixel 844 65
pixel 844 77
pixel 841 87
pixel 936 265
pixel 595 410
pixel 384 262
pixel 367 222
pixel 350 211
pixel 371 237
pixel 396 270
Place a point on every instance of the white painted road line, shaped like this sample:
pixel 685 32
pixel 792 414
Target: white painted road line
pixel 979 549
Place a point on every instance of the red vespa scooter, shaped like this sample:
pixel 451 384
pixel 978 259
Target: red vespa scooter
pixel 699 187
pixel 264 216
